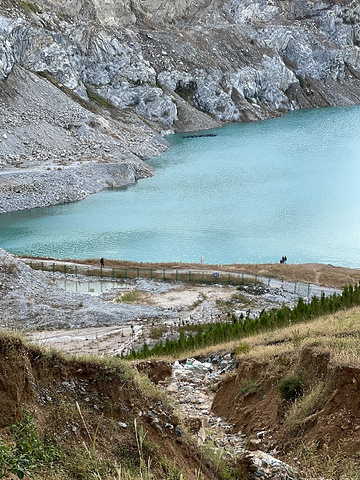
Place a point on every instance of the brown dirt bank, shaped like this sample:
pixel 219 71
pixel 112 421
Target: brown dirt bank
pixel 102 416
pixel 301 402
pixel 325 440
pixel 315 273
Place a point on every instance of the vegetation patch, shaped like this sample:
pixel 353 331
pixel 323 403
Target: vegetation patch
pixel 31 7
pixel 247 386
pixel 129 297
pixel 98 99
pixel 323 459
pixel 291 387
pixel 27 452
pixel 158 332
pixel 307 405
pixel 242 348
pixel 240 327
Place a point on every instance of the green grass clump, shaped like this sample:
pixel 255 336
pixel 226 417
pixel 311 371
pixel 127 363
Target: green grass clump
pixel 291 387
pixel 247 386
pixel 242 348
pixel 31 7
pixel 307 405
pixel 128 297
pixel 98 99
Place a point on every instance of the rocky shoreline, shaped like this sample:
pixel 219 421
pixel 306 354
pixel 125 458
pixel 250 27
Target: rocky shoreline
pixel 53 150
pixel 104 84
pixel 26 189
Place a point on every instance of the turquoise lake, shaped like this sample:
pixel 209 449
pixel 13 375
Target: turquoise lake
pixel 251 194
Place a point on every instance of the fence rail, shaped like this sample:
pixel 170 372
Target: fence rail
pixel 305 290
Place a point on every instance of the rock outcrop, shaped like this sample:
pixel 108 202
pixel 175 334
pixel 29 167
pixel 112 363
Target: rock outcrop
pixel 101 81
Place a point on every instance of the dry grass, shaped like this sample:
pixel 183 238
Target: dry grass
pixel 303 408
pixel 133 296
pixel 339 334
pixel 314 273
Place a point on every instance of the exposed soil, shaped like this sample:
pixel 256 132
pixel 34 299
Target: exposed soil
pixel 250 400
pixel 88 406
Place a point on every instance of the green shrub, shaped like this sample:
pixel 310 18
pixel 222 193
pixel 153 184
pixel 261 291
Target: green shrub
pixel 29 452
pixel 10 463
pixel 247 386
pixel 291 387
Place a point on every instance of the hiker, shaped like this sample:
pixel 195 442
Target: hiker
pixel 101 262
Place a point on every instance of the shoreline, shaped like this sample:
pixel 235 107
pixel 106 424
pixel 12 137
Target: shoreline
pixel 56 185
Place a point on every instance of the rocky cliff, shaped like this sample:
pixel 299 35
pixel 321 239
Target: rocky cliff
pixel 102 81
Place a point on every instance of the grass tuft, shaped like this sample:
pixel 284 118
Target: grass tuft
pixel 291 387
pixel 129 297
pixel 304 408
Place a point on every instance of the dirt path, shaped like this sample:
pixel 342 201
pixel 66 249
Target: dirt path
pixel 314 273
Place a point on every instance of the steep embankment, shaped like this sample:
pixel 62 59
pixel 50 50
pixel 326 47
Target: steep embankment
pixel 87 419
pixel 123 72
pixel 295 393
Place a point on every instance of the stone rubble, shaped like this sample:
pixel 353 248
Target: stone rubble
pixel 192 386
pixel 28 301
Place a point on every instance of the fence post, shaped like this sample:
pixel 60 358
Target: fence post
pixel 229 280
pixel 150 273
pixel 189 276
pixel 75 270
pixel 113 273
pixel 64 269
pixel 268 281
pixel 202 277
pixel 255 280
pixel 295 287
pixel 42 266
pixel 164 274
pixel 138 275
pixel 30 264
pixel 242 279
pixel 53 268
pixel 177 275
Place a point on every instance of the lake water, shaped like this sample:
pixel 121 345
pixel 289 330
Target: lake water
pixel 253 193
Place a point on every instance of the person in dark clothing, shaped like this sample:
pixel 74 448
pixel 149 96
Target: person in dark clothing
pixel 102 262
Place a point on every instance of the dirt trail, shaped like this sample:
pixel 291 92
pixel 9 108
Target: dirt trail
pixel 314 273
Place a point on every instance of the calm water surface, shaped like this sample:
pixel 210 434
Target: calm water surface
pixel 253 193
